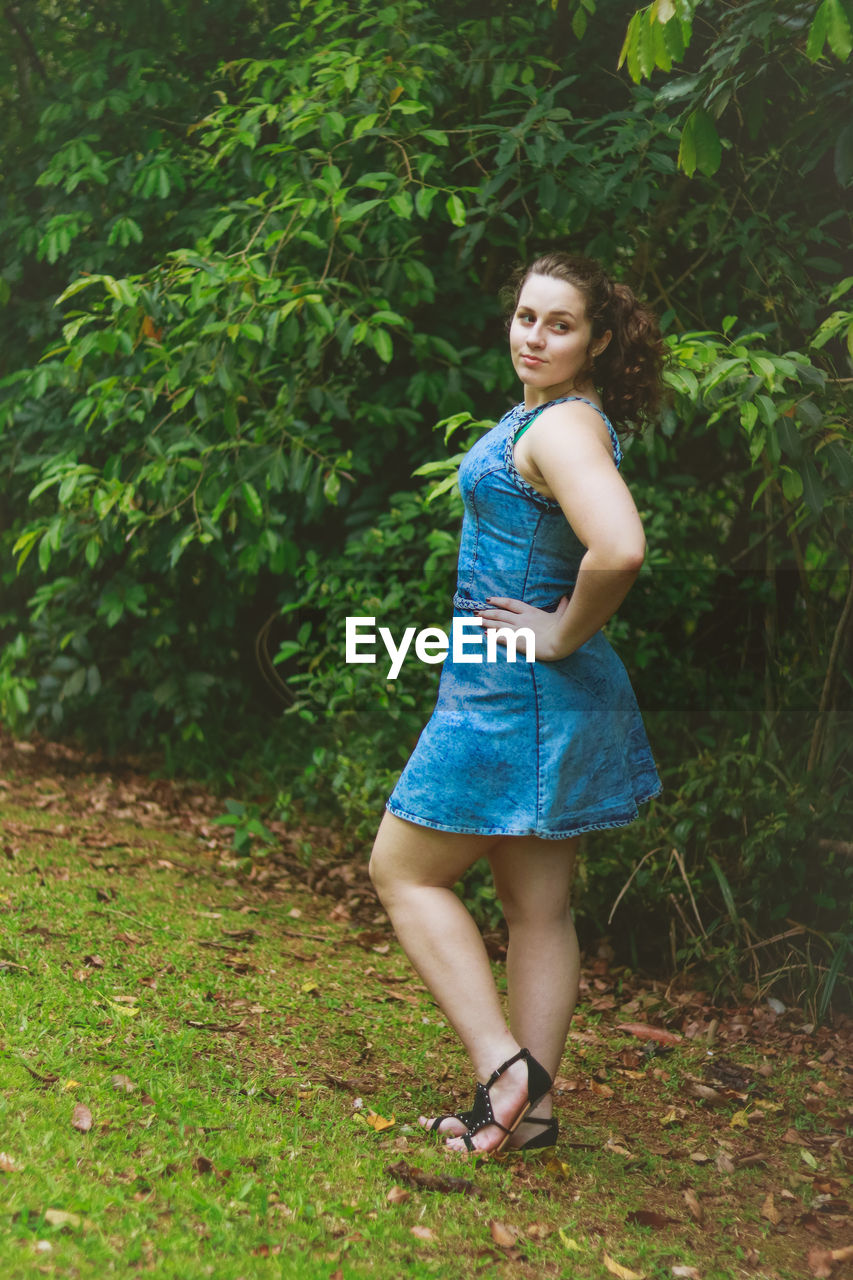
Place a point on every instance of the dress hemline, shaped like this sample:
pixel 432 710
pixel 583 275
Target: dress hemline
pixel 579 830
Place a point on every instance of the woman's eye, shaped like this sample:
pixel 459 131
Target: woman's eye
pixel 563 328
pixel 525 316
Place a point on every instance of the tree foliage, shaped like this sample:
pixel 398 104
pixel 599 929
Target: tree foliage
pixel 254 253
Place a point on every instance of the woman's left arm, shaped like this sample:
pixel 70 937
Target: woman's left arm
pixel 578 469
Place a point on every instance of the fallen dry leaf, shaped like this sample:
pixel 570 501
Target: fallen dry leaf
pixel 674 1116
pixel 398 1195
pixel 618 1148
pixel 693 1205
pixel 648 1218
pixel 753 1159
pixel 423 1233
pixel 81 1118
pixel 769 1211
pixel 705 1092
pixel 502 1235
pixel 122 1083
pixel 415 1177
pixel 7 1164
pixel 643 1031
pixel 375 1121
pixel 623 1273
pixel 60 1218
pixel 207 1026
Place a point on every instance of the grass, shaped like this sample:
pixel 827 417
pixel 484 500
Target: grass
pixel 235 1037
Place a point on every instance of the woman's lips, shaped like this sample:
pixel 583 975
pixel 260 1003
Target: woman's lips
pixel 531 360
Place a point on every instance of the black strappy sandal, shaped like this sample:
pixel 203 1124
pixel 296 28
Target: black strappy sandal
pixel 466 1118
pixel 538 1084
pixel 547 1138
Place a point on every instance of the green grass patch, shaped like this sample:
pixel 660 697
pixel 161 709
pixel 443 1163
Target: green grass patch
pixel 191 1057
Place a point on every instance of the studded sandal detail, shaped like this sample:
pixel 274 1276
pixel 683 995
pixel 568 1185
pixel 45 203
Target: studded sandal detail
pixel 466 1118
pixel 538 1084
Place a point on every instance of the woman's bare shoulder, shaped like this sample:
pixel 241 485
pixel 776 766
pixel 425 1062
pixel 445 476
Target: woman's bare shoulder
pixel 574 427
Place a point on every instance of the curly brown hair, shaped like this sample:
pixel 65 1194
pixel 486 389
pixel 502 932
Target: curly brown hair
pixel 628 372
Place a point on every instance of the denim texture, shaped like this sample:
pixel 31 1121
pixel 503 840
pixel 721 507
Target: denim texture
pixel 550 749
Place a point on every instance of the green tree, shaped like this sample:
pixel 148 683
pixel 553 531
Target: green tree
pixel 253 256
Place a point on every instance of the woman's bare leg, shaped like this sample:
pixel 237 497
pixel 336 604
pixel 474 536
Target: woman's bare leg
pixel 414 869
pixel 533 880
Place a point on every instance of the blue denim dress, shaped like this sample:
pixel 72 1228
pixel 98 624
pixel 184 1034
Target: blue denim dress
pixel 549 749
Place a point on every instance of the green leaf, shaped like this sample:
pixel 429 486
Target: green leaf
pixel 838 29
pixel 814 493
pixel 700 145
pixel 382 344
pixel 792 484
pixel 748 414
pixel 660 47
pixel 76 287
pixel 402 204
pixel 831 978
pixel 92 552
pixel 725 889
pixel 44 553
pixel 456 210
pixel 253 501
pixel 843 156
pixel 817 34
pixel 360 210
pixel 628 52
pixel 424 199
pixel 443 486
pixel 364 124
pixel 840 462
pixel 841 288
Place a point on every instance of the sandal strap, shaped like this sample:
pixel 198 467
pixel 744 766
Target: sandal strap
pixel 522 1055
pixel 463 1116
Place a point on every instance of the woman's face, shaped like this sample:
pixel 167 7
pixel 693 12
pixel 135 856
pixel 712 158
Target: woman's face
pixel 549 339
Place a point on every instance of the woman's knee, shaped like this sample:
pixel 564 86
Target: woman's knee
pixel 380 872
pixel 541 913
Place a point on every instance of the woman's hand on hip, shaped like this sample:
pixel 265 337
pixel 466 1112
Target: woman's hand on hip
pixel 505 614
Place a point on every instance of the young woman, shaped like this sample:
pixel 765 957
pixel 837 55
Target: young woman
pixel 519 758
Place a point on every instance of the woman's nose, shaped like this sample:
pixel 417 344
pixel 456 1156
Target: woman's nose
pixel 535 336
